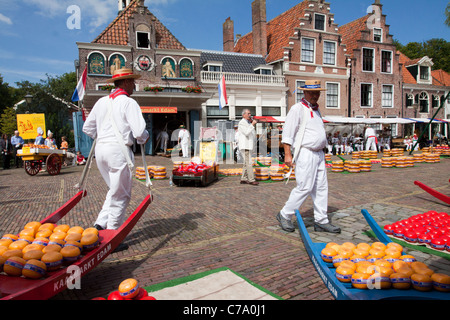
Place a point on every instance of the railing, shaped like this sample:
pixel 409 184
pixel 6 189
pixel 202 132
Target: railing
pixel 242 78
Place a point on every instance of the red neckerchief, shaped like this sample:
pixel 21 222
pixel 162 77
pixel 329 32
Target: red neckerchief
pixel 118 92
pixel 315 108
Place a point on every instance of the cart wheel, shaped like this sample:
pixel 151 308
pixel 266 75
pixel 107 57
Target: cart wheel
pixel 32 167
pixel 54 164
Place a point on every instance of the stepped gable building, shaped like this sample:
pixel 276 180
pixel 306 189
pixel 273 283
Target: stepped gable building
pixel 136 39
pixel 302 43
pixel 375 68
pixel 424 89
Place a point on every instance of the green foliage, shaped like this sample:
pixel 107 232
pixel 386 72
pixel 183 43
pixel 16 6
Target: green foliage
pixel 437 49
pixel 8 121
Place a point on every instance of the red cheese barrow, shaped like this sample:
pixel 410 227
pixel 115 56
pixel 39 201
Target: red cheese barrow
pixel 19 288
pixel 433 192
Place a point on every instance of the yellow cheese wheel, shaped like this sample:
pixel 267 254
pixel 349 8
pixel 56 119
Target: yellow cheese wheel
pixel 18 245
pixel 2 262
pixel 61 228
pixel 33 254
pixel 13 266
pixel 400 281
pixel 27 232
pixel 26 238
pixel 49 226
pixel 381 280
pixel 58 242
pixel 359 280
pixel 13 253
pixel 58 236
pixel 90 230
pixel 441 282
pixel 35 225
pixel 44 233
pixel 327 254
pixel 3 249
pixel 74 236
pixel 89 241
pixel 53 260
pixel 10 236
pixel 32 247
pixel 70 254
pixel 349 264
pixel 6 242
pixel 344 274
pixel 34 269
pixel 42 241
pixel 52 248
pixel 379 245
pixel 421 282
pixel 129 288
pixel 382 263
pixel 76 229
pixel 395 246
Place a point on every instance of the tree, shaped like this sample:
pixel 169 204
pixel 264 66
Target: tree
pixel 447 14
pixel 6 95
pixel 437 49
pixel 8 121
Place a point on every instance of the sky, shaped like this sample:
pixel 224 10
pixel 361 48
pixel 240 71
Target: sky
pixel 38 37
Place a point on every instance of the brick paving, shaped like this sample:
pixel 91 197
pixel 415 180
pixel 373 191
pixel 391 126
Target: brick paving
pixel 188 230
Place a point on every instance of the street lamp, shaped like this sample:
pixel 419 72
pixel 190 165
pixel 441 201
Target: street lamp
pixel 29 98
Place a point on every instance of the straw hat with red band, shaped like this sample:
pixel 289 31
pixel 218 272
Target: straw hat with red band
pixel 313 85
pixel 122 74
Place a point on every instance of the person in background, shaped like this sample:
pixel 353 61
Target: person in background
pixel 40 141
pixel 64 143
pixel 50 141
pixel 6 148
pixel 371 139
pixel 17 144
pixel 80 159
pixel 184 139
pixel 247 137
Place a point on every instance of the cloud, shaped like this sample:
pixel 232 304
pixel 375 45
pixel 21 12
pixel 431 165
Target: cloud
pixel 5 19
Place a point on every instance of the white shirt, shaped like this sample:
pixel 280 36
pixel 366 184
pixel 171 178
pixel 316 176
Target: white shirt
pixel 184 136
pixel 127 115
pixel 369 133
pixel 315 137
pixel 247 135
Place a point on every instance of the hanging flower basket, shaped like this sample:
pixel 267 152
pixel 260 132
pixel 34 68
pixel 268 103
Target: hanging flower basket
pixel 154 89
pixel 190 89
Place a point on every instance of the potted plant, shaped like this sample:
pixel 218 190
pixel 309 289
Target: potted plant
pixel 190 89
pixel 154 89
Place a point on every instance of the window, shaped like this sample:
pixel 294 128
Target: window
pixel 423 102
pixel 271 111
pixel 386 61
pixel 366 95
pixel 329 53
pixel 308 50
pixel 387 96
pixel 319 22
pixel 298 92
pixel 377 35
pixel 409 100
pixel 435 101
pixel 424 73
pixel 143 40
pixel 332 95
pixel 368 58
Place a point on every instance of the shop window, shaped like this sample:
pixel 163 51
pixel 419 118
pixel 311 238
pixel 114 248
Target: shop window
pixel 271 111
pixel 186 69
pixel 96 63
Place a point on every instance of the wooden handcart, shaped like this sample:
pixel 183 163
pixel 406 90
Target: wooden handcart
pixel 34 158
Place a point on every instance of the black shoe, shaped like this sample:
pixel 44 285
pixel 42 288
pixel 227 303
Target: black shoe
pixel 285 224
pixel 244 182
pixel 327 227
pixel 98 227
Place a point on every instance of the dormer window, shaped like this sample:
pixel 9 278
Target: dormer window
pixel 377 35
pixel 263 69
pixel 213 66
pixel 142 37
pixel 319 22
pixel 424 73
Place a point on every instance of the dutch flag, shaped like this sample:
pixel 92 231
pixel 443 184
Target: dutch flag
pixel 78 95
pixel 223 99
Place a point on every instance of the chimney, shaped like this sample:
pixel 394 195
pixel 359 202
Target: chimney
pixel 228 35
pixel 259 27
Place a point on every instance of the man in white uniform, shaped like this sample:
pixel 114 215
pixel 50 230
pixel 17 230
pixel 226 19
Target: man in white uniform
pixel 184 139
pixel 247 138
pixel 113 156
pixel 371 139
pixel 310 171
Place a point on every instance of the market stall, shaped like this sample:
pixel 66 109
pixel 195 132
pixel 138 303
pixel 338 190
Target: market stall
pixel 35 156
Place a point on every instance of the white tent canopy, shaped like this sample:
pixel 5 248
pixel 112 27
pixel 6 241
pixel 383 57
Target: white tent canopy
pixel 344 120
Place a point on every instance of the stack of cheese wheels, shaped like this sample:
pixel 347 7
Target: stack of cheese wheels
pixel 432 157
pixel 397 152
pixel 365 165
pixel 387 162
pixel 445 150
pixel 140 173
pixel 369 154
pixel 426 149
pixel 44 248
pixel 262 173
pixel 158 172
pixel 381 266
pixel 337 166
pixel 352 166
pixel 356 155
pixel 418 157
pixel 276 173
pixel 386 153
pixel 327 157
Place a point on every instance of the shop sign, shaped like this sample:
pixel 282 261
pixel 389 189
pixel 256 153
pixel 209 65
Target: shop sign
pixel 159 109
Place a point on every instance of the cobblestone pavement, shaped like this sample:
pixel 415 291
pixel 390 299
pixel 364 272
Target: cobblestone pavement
pixel 188 230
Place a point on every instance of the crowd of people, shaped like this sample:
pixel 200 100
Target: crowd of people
pixel 342 144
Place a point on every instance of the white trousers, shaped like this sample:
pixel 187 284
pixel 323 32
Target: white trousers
pixel 185 150
pixel 371 144
pixel 311 178
pixel 113 167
